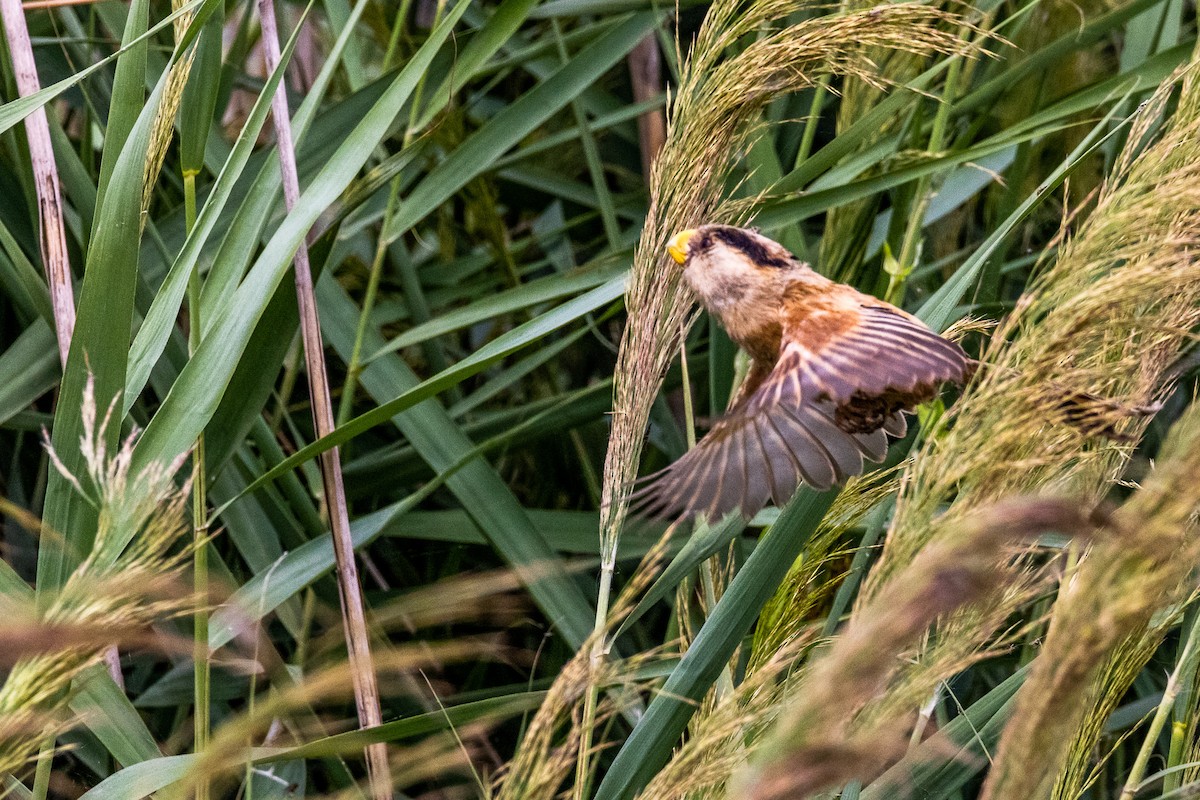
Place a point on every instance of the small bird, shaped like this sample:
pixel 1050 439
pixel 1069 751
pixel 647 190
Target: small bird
pixel 833 372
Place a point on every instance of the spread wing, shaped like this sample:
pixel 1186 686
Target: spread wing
pixel 837 391
pixel 842 352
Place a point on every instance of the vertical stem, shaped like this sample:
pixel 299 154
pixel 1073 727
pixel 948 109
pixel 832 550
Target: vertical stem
pixel 41 776
pixel 645 74
pixel 355 366
pixel 366 690
pixel 200 660
pixel 591 154
pixel 1162 713
pixel 708 570
pixel 583 771
pixel 814 117
pixel 53 239
pixel 689 414
pixel 937 140
pixel 1184 708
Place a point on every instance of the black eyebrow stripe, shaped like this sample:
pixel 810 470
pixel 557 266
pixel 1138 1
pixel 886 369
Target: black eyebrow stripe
pixel 748 244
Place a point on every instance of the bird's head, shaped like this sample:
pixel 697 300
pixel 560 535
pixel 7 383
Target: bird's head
pixel 725 264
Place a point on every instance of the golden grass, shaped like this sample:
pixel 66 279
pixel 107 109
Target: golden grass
pixel 1100 634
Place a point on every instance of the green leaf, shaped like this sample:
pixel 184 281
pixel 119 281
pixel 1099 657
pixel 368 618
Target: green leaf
pixel 99 346
pixel 517 120
pixel 546 289
pixel 197 392
pixel 32 364
pixel 107 712
pixel 703 543
pixel 199 101
pixel 13 112
pixel 480 491
pixel 160 319
pixel 478 361
pixel 938 311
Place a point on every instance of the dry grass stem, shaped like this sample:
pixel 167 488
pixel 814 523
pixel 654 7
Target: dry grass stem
pixel 366 690
pixel 52 240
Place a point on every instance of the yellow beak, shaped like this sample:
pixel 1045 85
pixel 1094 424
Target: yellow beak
pixel 678 248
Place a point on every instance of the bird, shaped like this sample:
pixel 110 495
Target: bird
pixel 833 373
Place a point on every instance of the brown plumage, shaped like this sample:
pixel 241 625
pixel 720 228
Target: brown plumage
pixel 833 372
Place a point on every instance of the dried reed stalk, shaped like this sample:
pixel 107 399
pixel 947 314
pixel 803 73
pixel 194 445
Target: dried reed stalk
pixel 645 73
pixel 366 690
pixel 53 239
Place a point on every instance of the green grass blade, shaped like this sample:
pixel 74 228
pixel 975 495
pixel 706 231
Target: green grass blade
pixel 160 319
pixel 194 398
pixel 517 120
pixel 481 359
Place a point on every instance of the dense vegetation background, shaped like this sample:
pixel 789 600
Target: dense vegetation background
pixel 483 193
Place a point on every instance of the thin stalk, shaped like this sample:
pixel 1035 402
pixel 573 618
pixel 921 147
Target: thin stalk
pixel 1179 740
pixel 389 55
pixel 937 140
pixel 366 690
pixel 599 650
pixel 291 371
pixel 1185 703
pixel 708 571
pixel 41 777
pixel 689 416
pixel 414 109
pixel 645 74
pixel 200 663
pixel 52 240
pixel 1162 713
pixel 926 714
pixel 355 366
pixel 590 478
pixel 858 569
pixel 814 117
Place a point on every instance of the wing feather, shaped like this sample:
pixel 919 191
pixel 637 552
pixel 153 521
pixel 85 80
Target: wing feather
pixel 816 466
pixel 842 447
pixel 874 444
pixel 845 375
pixel 756 472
